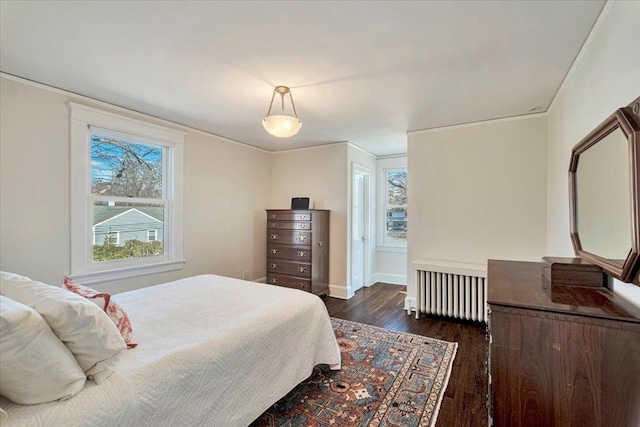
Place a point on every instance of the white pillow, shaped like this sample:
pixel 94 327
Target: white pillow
pixel 36 367
pixel 81 325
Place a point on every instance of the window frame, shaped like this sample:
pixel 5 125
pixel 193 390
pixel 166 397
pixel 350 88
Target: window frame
pixel 84 121
pixel 385 243
pixel 155 235
pixel 117 234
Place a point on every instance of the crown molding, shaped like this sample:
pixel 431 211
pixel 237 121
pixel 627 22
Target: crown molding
pixel 393 156
pixel 351 144
pixel 312 147
pixel 479 123
pixel 583 51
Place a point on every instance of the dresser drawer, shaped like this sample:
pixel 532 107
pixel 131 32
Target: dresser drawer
pixel 289 282
pixel 288 267
pixel 288 225
pixel 298 249
pixel 291 237
pixel 289 216
pixel 293 253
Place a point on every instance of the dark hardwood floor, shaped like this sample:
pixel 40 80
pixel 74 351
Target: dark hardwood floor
pixel 465 399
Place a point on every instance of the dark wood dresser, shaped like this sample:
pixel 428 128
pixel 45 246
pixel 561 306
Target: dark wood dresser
pixel 298 249
pixel 560 356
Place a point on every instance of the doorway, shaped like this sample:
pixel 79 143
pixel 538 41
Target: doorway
pixel 360 227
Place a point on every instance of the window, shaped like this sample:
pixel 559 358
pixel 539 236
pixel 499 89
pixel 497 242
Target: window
pixel 395 209
pixel 111 238
pixel 128 195
pixel 126 203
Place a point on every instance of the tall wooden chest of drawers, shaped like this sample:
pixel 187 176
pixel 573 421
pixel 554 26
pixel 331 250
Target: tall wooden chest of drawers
pixel 298 249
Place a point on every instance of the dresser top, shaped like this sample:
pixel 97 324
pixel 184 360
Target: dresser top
pixel 521 284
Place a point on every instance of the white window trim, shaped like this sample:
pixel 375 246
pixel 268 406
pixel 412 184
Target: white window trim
pixel 385 245
pixel 117 233
pixel 390 247
pixel 83 270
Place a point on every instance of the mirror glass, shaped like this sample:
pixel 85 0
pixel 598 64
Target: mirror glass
pixel 603 198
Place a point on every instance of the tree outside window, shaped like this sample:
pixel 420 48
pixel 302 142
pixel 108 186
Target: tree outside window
pixel 127 194
pixel 395 206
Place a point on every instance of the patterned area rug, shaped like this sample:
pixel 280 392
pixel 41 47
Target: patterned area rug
pixel 387 379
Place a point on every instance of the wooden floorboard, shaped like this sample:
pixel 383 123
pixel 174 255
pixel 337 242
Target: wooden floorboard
pixel 464 402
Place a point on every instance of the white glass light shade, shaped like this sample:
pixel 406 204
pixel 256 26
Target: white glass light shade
pixel 282 126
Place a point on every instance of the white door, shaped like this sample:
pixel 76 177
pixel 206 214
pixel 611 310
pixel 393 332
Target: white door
pixel 359 227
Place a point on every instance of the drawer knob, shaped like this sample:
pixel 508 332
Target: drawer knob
pixel 321 244
pixel 302 269
pixel 303 217
pixel 302 238
pixel 274 236
pixel 274 266
pixel 274 280
pixel 301 284
pixel 273 216
pixel 303 225
pixel 302 253
pixel 274 251
pixel 272 225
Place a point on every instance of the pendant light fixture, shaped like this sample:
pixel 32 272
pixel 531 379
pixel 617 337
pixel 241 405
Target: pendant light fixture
pixel 281 125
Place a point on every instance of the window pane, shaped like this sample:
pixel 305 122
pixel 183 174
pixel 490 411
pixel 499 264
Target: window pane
pixel 120 230
pixel 126 169
pixel 112 237
pixel 396 188
pixel 396 225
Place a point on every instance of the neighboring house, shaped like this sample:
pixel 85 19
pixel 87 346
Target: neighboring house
pixel 126 223
pixel 397 219
pixel 397 225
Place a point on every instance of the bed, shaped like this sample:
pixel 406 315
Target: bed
pixel 211 351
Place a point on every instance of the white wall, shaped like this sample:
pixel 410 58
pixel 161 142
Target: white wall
pixel 391 261
pixel 477 192
pixel 320 173
pixel 605 78
pixel 226 187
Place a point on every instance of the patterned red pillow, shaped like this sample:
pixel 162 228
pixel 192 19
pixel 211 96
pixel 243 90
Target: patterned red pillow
pixel 113 310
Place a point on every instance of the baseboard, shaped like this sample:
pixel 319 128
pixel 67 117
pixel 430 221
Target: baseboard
pixel 261 280
pixel 337 291
pixel 394 279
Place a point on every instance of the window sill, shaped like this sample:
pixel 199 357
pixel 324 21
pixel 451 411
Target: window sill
pixel 391 248
pixel 127 272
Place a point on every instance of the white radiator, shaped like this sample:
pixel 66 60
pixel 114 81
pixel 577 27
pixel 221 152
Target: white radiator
pixel 451 289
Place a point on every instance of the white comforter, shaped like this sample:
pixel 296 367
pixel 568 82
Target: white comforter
pixel 213 351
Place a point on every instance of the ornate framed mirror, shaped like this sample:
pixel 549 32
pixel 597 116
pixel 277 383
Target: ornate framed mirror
pixel 604 182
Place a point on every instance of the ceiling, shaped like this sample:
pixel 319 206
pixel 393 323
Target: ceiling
pixel 363 72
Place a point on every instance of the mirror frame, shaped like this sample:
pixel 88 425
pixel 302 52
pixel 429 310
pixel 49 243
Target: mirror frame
pixel 627 119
